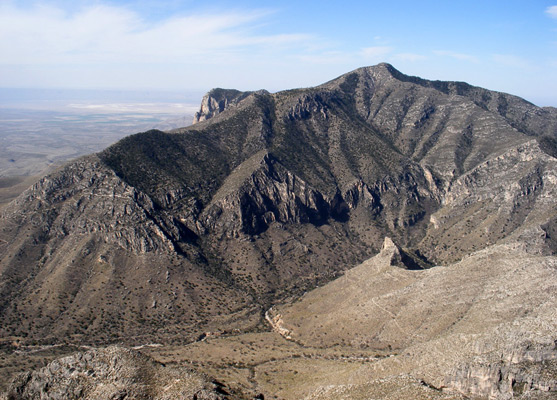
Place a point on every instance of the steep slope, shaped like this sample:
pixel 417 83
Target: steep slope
pixel 484 326
pixel 89 257
pixel 268 195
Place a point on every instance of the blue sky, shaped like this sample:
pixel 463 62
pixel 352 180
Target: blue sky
pixel 183 45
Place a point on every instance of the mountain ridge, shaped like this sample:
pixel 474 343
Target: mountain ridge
pixel 267 196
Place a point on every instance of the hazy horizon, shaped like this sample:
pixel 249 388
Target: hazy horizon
pixel 83 100
pixel 43 128
pixel 182 45
pixel 118 100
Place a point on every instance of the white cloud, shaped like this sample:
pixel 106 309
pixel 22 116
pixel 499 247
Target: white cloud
pixel 46 35
pixel 155 108
pixel 551 11
pixel 457 56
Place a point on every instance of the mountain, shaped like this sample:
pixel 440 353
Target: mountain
pixel 169 236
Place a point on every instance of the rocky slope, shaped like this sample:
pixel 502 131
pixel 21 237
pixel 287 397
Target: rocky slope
pixel 484 327
pixel 113 373
pixel 167 235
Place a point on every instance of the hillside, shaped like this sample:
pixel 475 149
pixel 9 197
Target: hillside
pixel 166 237
pixel 484 326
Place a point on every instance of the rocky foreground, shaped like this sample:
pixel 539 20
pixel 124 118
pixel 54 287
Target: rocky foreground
pixel 114 373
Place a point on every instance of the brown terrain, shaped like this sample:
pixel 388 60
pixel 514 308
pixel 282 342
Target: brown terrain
pixel 378 236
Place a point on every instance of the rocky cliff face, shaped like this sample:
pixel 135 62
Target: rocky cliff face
pixel 518 376
pixel 250 201
pixel 508 197
pixel 216 101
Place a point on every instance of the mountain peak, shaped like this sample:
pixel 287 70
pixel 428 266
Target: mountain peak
pixel 384 67
pixel 385 71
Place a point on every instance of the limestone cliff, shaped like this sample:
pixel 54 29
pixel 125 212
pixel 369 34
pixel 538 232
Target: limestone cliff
pixel 216 101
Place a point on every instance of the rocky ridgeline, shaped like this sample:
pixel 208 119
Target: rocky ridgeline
pixel 86 198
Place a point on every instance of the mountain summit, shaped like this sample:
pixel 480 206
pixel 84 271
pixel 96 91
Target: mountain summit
pixel 166 235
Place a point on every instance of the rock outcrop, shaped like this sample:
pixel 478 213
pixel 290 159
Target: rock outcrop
pixel 504 381
pixel 526 370
pixel 216 101
pixel 112 373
